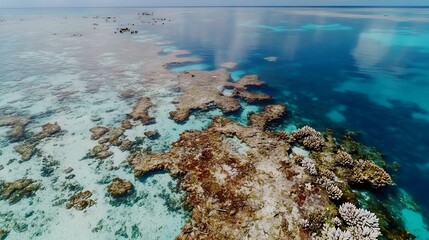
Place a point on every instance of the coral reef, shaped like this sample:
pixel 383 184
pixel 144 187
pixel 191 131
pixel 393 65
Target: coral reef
pixel 246 182
pixel 100 152
pixel 17 190
pixel 152 134
pixel 28 148
pixel 18 127
pixel 271 113
pixel 344 159
pixel 202 90
pixel 238 181
pixel 360 224
pixel 334 192
pixel 141 111
pixel 48 130
pixel 80 200
pixel 120 187
pixel 108 137
pixel 98 132
pixel 366 171
pixel 309 137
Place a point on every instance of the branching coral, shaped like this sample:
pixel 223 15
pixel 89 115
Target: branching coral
pixel 309 137
pixel 354 216
pixel 344 159
pixel 333 233
pixel 365 171
pixel 361 224
pixel 309 165
pixel 334 192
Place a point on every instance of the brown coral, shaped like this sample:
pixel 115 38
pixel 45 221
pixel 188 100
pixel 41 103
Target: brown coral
pixel 141 111
pixel 18 127
pixel 120 187
pixel 80 200
pixel 202 90
pixel 344 159
pixel 19 189
pixel 98 132
pixel 236 181
pixel 309 137
pixel 48 130
pixel 270 114
pixel 365 171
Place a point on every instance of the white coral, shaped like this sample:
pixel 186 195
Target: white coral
pixel 333 233
pixel 309 165
pixel 334 192
pixel 363 223
pixel 309 137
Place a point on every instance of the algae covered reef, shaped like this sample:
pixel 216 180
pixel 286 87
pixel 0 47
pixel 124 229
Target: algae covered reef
pixel 247 182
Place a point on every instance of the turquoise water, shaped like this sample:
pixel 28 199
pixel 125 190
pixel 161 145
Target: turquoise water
pixel 345 69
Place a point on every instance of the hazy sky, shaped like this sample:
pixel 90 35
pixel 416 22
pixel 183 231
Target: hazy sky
pixel 106 3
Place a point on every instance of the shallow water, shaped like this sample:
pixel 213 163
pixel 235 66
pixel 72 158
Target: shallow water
pixel 364 70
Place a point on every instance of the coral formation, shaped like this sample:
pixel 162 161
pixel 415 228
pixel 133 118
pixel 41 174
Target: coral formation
pixel 108 137
pixel 202 90
pixel 365 171
pixel 98 132
pixel 271 113
pixel 151 134
pixel 360 224
pixel 80 200
pixel 309 137
pixel 141 111
pixel 28 148
pixel 18 127
pixel 120 187
pixel 229 65
pixel 15 191
pixel 334 192
pixel 237 180
pixel 344 159
pixel 48 130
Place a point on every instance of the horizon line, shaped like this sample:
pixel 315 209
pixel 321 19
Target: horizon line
pixel 225 6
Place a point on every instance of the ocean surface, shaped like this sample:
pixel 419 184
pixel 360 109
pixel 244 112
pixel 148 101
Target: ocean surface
pixel 348 69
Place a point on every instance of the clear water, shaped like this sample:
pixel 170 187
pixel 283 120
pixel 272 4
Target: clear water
pixel 365 70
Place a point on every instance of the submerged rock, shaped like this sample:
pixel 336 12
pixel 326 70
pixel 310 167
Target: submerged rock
pixel 202 90
pixel 15 191
pixel 48 130
pixel 26 150
pixel 80 200
pixel 152 134
pixel 141 111
pixel 126 145
pixel 98 132
pixel 120 187
pixel 101 152
pixel 126 124
pixel 18 125
pixel 3 234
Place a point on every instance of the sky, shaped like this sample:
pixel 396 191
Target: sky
pixel 135 3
